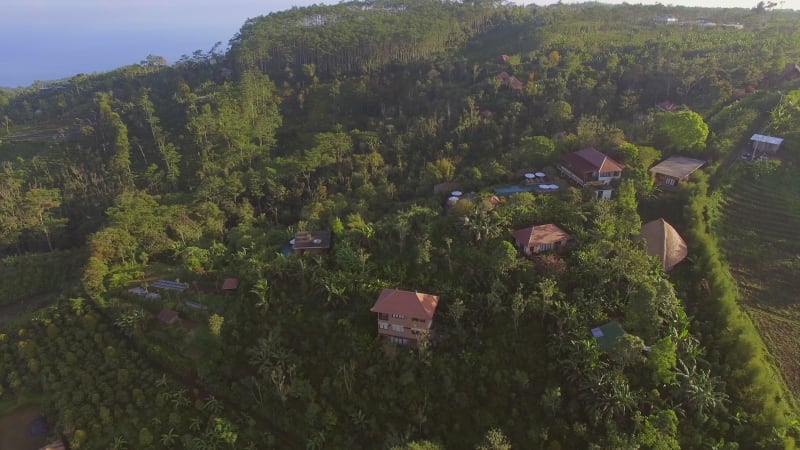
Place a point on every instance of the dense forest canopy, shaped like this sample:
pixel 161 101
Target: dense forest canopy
pixel 344 118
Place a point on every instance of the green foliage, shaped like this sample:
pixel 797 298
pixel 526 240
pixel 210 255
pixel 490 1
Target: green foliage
pixel 215 322
pixel 205 169
pixel 494 440
pixel 25 276
pixel 663 358
pixel 682 132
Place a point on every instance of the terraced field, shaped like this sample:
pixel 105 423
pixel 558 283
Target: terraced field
pixel 760 233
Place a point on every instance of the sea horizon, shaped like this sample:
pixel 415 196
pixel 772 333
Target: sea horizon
pixel 53 56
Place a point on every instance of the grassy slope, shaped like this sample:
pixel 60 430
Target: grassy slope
pixel 760 233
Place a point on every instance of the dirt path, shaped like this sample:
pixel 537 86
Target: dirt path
pixel 30 304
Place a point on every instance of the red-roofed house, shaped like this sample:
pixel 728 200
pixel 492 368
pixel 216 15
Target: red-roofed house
pixel 230 284
pixel 541 238
pixel 404 315
pixel 588 167
pixel 504 76
pixel 515 83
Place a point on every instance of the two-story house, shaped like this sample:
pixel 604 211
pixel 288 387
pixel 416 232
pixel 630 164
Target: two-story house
pixel 589 167
pixel 404 315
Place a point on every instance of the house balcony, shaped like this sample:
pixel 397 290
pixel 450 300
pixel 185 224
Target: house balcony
pixel 568 173
pixel 386 329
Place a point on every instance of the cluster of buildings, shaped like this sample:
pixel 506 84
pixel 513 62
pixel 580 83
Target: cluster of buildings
pixel 405 317
pixel 672 20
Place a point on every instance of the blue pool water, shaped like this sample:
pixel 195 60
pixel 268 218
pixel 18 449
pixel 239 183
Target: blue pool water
pixel 508 190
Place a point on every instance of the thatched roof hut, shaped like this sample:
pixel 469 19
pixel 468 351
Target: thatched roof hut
pixel 664 242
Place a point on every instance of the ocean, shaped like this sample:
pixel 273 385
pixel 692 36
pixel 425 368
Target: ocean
pixel 28 56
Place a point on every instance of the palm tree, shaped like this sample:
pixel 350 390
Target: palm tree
pixel 162 381
pixel 699 389
pixel 169 439
pixel 212 405
pixel 316 441
pixel 195 424
pixel 547 292
pixel 261 291
pixel 120 443
pixel 179 399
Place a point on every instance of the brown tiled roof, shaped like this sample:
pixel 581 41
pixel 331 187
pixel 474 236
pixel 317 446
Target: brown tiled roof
pixel 677 167
pixel 600 161
pixel 168 316
pixel 664 242
pixel 540 234
pixel 230 284
pixel 591 160
pixel 406 303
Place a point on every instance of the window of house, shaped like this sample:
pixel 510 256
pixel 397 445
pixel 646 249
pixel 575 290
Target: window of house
pixel 671 181
pixel 398 316
pixel 383 325
pixel 545 247
pixel 398 340
pixel 398 328
pixel 383 316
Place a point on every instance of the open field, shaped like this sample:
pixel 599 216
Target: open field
pixel 14 433
pixel 36 140
pixel 760 233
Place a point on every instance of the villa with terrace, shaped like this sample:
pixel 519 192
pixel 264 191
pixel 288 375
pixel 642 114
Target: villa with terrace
pixel 590 168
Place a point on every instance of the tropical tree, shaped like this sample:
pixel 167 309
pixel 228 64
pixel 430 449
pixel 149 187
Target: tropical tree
pixel 682 131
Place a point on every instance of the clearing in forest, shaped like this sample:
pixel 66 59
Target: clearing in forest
pixel 760 233
pixel 14 433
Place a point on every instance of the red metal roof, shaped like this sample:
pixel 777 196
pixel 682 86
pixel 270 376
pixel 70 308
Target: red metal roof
pixel 230 284
pixel 406 303
pixel 540 234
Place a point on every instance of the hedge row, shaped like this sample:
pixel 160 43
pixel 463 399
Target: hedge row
pixel 735 346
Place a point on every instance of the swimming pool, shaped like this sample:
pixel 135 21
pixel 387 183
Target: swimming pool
pixel 508 190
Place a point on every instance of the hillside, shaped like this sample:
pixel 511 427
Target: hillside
pixel 211 240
